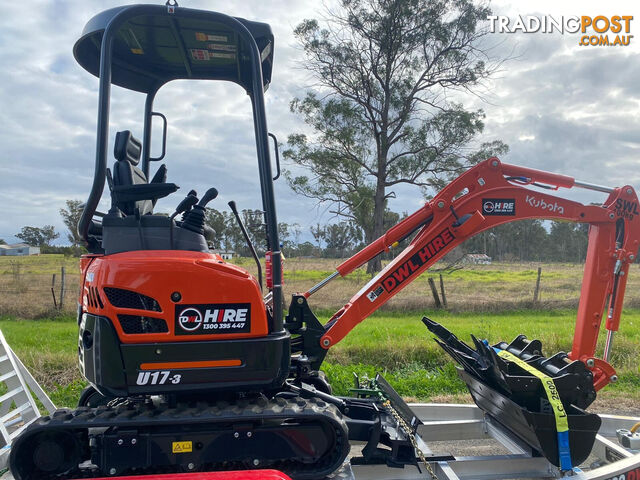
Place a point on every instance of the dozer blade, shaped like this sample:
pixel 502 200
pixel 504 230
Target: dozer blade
pixel 381 417
pixel 398 403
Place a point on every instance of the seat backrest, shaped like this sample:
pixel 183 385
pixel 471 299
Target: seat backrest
pixel 127 151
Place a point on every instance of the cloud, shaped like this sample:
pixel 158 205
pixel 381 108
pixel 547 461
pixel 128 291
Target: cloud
pixel 564 107
pixel 559 106
pixel 49 108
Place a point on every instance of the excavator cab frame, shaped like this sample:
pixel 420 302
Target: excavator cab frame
pixel 143 47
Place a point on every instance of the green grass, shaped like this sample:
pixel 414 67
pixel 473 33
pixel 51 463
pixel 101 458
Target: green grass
pixel 38 264
pixel 397 345
pixel 401 347
pixel 49 350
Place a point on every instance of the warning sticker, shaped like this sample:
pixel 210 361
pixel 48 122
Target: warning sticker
pixel 205 55
pixel 220 46
pixel 206 37
pixel 181 447
pixel 373 294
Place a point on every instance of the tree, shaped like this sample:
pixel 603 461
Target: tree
pixel 38 237
pixel 568 241
pixel 284 234
pixel 233 238
pixel 305 249
pixel 382 113
pixel 253 221
pixel 218 222
pixel 71 216
pixel 318 234
pixel 524 240
pixel 2 242
pixel 340 238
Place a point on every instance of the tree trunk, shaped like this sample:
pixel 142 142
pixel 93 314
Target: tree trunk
pixel 375 264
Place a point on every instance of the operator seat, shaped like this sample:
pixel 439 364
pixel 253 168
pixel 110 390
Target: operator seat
pixel 127 151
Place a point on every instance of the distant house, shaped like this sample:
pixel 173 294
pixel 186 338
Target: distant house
pixel 225 254
pixel 476 259
pixel 18 249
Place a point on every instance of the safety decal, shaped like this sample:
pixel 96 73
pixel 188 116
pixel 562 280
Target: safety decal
pixel 219 46
pixel 207 37
pixel 499 206
pixel 181 447
pixel 206 55
pixel 213 318
pixel 375 293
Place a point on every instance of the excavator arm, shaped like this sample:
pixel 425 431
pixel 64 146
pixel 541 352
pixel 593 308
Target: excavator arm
pixel 493 193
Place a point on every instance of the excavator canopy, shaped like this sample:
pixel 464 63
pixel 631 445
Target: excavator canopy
pixel 151 48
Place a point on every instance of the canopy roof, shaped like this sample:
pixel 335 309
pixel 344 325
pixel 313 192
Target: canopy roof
pixel 152 47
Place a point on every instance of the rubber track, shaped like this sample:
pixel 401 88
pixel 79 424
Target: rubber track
pixel 137 415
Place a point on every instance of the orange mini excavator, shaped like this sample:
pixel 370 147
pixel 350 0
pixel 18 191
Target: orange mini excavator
pixel 191 362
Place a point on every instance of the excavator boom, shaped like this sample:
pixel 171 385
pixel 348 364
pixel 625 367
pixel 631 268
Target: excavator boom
pixel 491 194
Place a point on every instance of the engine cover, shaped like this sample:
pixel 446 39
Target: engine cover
pixel 155 322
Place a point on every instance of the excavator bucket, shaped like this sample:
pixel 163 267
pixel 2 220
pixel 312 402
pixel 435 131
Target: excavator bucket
pixel 539 399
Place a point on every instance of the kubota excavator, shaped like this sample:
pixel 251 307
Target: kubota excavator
pixel 193 365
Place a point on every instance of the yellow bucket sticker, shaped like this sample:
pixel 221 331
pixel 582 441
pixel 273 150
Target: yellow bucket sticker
pixel 182 447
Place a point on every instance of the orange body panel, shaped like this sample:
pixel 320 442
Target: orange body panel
pixel 180 365
pixel 199 278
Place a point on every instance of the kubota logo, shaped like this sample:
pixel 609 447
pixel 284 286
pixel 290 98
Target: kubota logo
pixel 190 319
pixel 541 204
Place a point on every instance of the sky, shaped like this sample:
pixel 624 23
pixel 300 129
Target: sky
pixel 559 106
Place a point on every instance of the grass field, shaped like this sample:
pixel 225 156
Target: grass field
pixel 397 345
pixel 490 301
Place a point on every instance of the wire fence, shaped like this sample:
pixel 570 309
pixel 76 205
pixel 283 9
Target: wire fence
pixel 31 294
pixel 48 286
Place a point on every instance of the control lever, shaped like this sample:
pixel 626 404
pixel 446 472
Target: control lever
pixel 207 197
pixel 185 205
pixel 194 220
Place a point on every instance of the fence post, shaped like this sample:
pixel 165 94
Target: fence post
pixel 62 289
pixel 444 296
pixel 434 291
pixel 536 292
pixel 53 292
